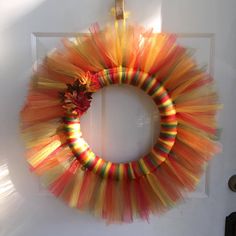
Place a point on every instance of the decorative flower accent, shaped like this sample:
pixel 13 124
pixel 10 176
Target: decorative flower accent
pixel 76 99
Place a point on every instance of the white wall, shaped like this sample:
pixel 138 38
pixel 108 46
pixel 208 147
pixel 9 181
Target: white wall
pixel 25 210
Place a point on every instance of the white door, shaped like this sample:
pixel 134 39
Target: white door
pixel 28 29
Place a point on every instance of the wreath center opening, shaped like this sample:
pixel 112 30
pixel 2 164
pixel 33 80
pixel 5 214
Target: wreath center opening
pixel 122 123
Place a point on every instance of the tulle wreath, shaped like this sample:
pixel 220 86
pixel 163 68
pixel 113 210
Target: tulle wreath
pixel 61 92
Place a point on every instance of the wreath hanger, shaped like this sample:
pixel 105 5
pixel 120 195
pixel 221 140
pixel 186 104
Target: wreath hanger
pixel 119 9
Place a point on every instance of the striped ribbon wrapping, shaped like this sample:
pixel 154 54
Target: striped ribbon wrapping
pixel 159 151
